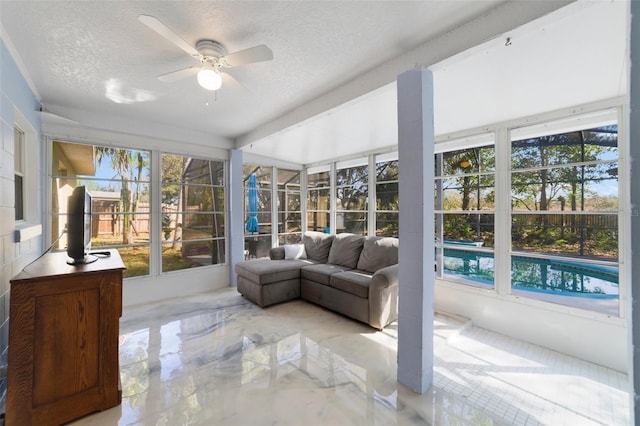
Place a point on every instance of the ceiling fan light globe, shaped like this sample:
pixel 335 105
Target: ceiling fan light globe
pixel 209 79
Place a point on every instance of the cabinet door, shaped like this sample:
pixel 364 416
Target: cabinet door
pixel 64 348
pixel 66 345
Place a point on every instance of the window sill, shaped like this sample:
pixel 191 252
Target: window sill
pixel 534 303
pixel 26 231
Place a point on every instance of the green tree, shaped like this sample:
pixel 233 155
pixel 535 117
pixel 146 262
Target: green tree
pixel 352 193
pixel 128 166
pixel 470 173
pixel 563 168
pixel 172 169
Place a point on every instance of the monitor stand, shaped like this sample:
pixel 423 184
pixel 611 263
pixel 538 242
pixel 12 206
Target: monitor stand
pixel 88 258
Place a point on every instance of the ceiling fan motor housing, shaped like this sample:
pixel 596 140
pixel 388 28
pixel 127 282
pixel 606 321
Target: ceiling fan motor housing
pixel 211 49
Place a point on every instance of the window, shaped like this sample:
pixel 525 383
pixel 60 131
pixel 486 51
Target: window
pixel 19 172
pixel 559 221
pixel 353 197
pixel 387 201
pixel 289 207
pixel 193 205
pixel 564 217
pixel 352 194
pixel 257 243
pixel 118 181
pixel 465 213
pixel 318 201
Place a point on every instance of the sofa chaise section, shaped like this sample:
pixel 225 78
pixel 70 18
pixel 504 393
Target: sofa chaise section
pixel 266 282
pixel 276 279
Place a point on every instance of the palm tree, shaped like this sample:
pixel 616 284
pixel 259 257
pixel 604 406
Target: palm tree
pixel 122 161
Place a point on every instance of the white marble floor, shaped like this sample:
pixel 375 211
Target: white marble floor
pixel 217 359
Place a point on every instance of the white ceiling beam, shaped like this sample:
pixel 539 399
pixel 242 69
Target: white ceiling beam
pixel 80 125
pixel 494 23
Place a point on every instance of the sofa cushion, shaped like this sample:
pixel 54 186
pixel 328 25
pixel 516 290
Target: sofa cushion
pixel 267 271
pixel 276 253
pixel 378 253
pixel 355 282
pixel 321 273
pixel 317 245
pixel 345 250
pixel 294 251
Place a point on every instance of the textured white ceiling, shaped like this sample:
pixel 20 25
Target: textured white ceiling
pixel 96 57
pixel 575 55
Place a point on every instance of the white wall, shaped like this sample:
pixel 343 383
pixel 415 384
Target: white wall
pixel 166 286
pixel 17 103
pixel 585 335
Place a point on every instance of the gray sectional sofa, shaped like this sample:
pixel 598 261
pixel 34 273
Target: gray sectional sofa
pixel 354 275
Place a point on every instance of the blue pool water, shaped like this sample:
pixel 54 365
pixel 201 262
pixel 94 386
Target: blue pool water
pixel 552 276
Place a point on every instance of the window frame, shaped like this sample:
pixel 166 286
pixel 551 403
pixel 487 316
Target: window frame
pixel 381 159
pixel 288 237
pixel 559 125
pixel 330 199
pixel 185 213
pixel 352 186
pixel 154 181
pixel 562 119
pixel 30 226
pixel 19 152
pixel 118 217
pixel 481 140
pixel 258 244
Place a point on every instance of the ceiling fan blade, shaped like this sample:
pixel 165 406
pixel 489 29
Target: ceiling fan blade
pixel 258 53
pixel 165 32
pixel 229 81
pixel 178 75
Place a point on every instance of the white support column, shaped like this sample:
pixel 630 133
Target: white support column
pixel 235 214
pixel 416 165
pixel 634 167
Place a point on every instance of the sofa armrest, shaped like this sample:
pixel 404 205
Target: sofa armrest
pixel 276 253
pixel 383 297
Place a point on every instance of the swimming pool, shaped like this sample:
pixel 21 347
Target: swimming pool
pixel 550 275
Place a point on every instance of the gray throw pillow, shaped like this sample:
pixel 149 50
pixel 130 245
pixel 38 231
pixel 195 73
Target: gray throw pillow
pixel 378 253
pixel 317 245
pixel 345 250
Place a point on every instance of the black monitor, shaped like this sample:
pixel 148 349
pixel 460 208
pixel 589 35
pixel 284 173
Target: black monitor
pixel 79 226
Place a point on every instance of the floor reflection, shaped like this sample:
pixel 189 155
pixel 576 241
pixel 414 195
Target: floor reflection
pixel 218 359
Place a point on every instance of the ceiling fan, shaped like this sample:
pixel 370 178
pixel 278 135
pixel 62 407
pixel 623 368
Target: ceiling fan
pixel 211 54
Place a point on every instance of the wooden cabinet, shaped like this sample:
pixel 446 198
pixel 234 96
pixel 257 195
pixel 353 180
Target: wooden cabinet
pixel 63 340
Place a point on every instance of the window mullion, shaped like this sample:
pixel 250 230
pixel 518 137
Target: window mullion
pixel 502 254
pixel 371 197
pixel 274 207
pixel 439 217
pixel 333 198
pixel 155 232
pixel 304 193
pixel 624 216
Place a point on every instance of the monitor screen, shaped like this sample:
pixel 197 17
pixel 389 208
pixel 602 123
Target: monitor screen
pixel 79 226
